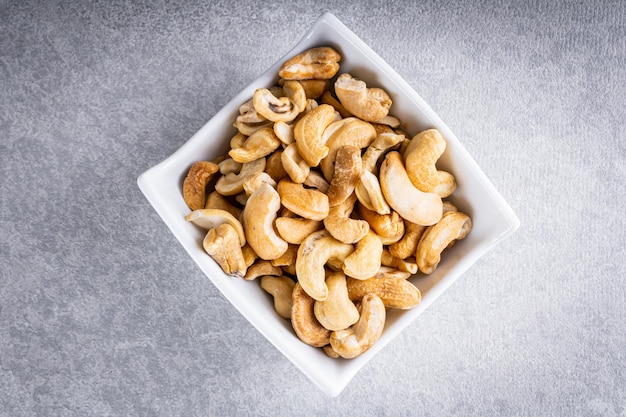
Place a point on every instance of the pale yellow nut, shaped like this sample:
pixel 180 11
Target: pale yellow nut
pixel 295 229
pixel 274 166
pixel 247 114
pixel 281 289
pixel 217 201
pixel 232 184
pixel 211 218
pixel 320 63
pixel 296 94
pixel 261 143
pixel 383 143
pixel 262 267
pixel 314 88
pixel 313 254
pixel 288 258
pixel 316 180
pixel 328 350
pixel 365 261
pixel 357 339
pixel 249 255
pixel 337 311
pixel 276 109
pixel 306 202
pixel 369 104
pixel 406 265
pixel 421 156
pixel 346 174
pixel 370 194
pixel 248 128
pixel 228 165
pixel 407 246
pixel 395 293
pixel 388 227
pixel 351 131
pixel 258 222
pixel 303 320
pixel 254 181
pixel 223 245
pixel 327 98
pixel 284 132
pixel 453 225
pixel 341 226
pixel 412 204
pixel 195 183
pixel 308 133
pixel 296 168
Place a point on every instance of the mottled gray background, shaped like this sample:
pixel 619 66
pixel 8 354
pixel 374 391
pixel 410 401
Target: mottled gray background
pixel 102 313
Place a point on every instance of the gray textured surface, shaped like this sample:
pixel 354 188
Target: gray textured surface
pixel 102 312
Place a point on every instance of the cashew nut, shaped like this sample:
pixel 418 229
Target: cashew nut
pixel 261 143
pixel 308 133
pixel 369 104
pixel 454 225
pixel 276 109
pixel 336 312
pixel 327 98
pixel 314 252
pixel 210 218
pixel 389 227
pixel 346 174
pixel 274 166
pixel 412 204
pixel 281 288
pixel 394 292
pixel 357 339
pixel 217 201
pixel 296 167
pixel 314 88
pixel 296 94
pixel 370 194
pixel 316 180
pixel 284 132
pixel 306 202
pixel 261 268
pixel 229 165
pixel 303 320
pixel 195 183
pixel 420 158
pixel 407 246
pixel 258 222
pixel 365 261
pixel 383 143
pixel 254 181
pixel 405 265
pixel 321 63
pixel 223 245
pixel 232 183
pixel 341 226
pixel 295 229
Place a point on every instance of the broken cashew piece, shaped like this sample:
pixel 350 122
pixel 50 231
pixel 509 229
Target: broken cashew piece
pixel 223 245
pixel 412 204
pixel 369 104
pixel 420 158
pixel 407 246
pixel 454 225
pixel 195 183
pixel 258 222
pixel 303 320
pixel 337 312
pixel 275 109
pixel 232 183
pixel 314 252
pixel 321 63
pixel 281 289
pixel 357 339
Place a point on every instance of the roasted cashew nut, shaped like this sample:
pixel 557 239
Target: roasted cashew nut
pixel 389 227
pixel 296 167
pixel 314 252
pixel 316 180
pixel 357 339
pixel 306 202
pixel 321 63
pixel 195 183
pixel 412 204
pixel 261 268
pixel 454 225
pixel 308 133
pixel 394 292
pixel 407 246
pixel 337 311
pixel 346 174
pixel 365 261
pixel 217 201
pixel 261 143
pixel 275 109
pixel 274 166
pixel 258 222
pixel 370 194
pixel 402 264
pixel 223 245
pixel 211 218
pixel 341 226
pixel 420 158
pixel 384 142
pixel 369 104
pixel 281 289
pixel 254 181
pixel 303 320
pixel 232 183
pixel 295 229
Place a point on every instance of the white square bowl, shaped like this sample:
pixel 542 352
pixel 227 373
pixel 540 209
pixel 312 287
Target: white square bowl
pixel 493 219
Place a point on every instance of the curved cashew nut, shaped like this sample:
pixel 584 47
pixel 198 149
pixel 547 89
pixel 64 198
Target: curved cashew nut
pixel 369 104
pixel 308 133
pixel 261 143
pixel 229 165
pixel 306 202
pixel 346 174
pixel 248 128
pixel 276 109
pixel 357 339
pixel 296 167
pixel 211 218
pixel 407 246
pixel 412 204
pixel 195 183
pixel 232 183
pixel 295 229
pixel 349 131
pixel 389 227
pixel 247 113
pixel 281 289
pixel 258 222
pixel 296 94
pixel 341 226
pixel 383 142
pixel 370 194
pixel 303 320
pixel 365 261
pixel 223 245
pixel 217 201
pixel 337 312
pixel 314 88
pixel 454 225
pixel 262 268
pixel 313 254
pixel 254 181
pixel 274 166
pixel 321 63
pixel 387 259
pixel 420 158
pixel 394 292
pixel 316 180
pixel 284 132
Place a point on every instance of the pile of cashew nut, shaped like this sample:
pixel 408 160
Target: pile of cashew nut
pixel 328 202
